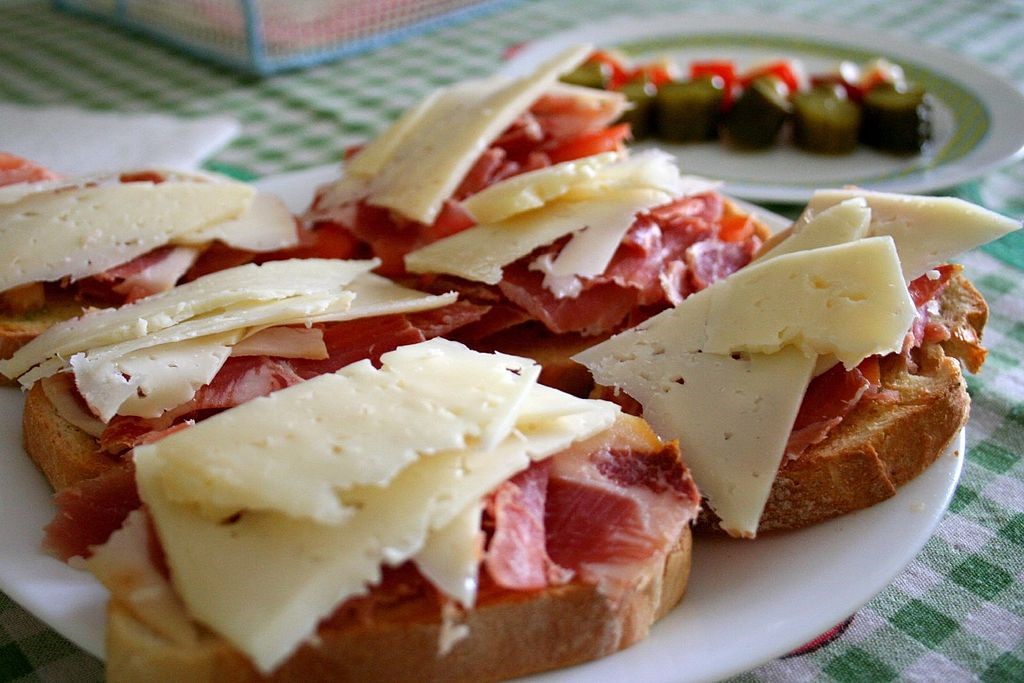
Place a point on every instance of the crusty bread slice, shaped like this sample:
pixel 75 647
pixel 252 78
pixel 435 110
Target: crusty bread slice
pixel 876 449
pixel 509 635
pixel 18 329
pixel 63 453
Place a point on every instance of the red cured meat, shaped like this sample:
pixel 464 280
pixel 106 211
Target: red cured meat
pixel 439 322
pixel 600 307
pixel 516 556
pixel 829 398
pixel 712 259
pixel 15 169
pixel 613 507
pixel 89 511
pixel 354 340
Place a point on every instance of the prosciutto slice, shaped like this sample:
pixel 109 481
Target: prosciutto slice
pixel 517 557
pixel 598 510
pixel 89 511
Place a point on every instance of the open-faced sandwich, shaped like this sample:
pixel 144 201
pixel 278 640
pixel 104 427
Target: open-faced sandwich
pixel 100 241
pixel 531 207
pixel 824 375
pixel 322 495
pixel 101 383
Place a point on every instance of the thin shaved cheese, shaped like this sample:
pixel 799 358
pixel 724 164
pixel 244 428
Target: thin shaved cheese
pixel 849 300
pixel 51 235
pixel 266 225
pixel 149 381
pixel 534 189
pixel 843 222
pixel 84 226
pixel 589 251
pixel 322 279
pixel 928 231
pixel 450 557
pixel 360 416
pixel 726 370
pixel 376 295
pixel 419 162
pixel 284 342
pixel 481 252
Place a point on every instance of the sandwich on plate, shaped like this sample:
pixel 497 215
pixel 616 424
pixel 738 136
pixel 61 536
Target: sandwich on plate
pixel 100 241
pixel 532 208
pixel 321 498
pixel 103 382
pixel 824 375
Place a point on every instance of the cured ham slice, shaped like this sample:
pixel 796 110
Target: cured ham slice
pixel 151 273
pixel 89 511
pixel 613 507
pixel 517 557
pixel 15 169
pixel 596 510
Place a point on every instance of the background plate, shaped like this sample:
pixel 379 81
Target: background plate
pixel 977 121
pixel 747 602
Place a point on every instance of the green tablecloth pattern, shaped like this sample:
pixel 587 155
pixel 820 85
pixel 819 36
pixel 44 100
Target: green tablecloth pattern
pixel 956 613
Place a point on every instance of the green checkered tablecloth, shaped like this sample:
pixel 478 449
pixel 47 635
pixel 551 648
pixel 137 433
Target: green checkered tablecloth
pixel 956 613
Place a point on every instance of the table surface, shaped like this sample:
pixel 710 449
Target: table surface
pixel 956 613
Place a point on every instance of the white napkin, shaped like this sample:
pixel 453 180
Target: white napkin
pixel 74 142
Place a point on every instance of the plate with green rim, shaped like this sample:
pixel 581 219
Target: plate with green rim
pixel 976 121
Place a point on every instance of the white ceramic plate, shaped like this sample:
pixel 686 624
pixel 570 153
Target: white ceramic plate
pixel 977 121
pixel 747 602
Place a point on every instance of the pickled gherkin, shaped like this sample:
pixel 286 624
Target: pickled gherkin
pixel 688 112
pixel 825 121
pixel 896 118
pixel 640 115
pixel 759 114
pixel 588 74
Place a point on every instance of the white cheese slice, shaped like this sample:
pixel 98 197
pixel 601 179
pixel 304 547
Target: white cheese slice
pixel 534 189
pixel 589 251
pixel 52 235
pixel 846 221
pixel 376 295
pixel 928 231
pixel 481 252
pixel 450 558
pixel 264 580
pixel 266 225
pixel 248 284
pixel 849 300
pixel 147 382
pixel 283 342
pixel 651 169
pixel 435 150
pixel 361 417
pixel 731 416
pixel 379 151
pixel 733 412
pixel 154 373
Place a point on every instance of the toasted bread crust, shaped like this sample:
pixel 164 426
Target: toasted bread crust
pixel 875 449
pixel 513 635
pixel 18 329
pixel 62 452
